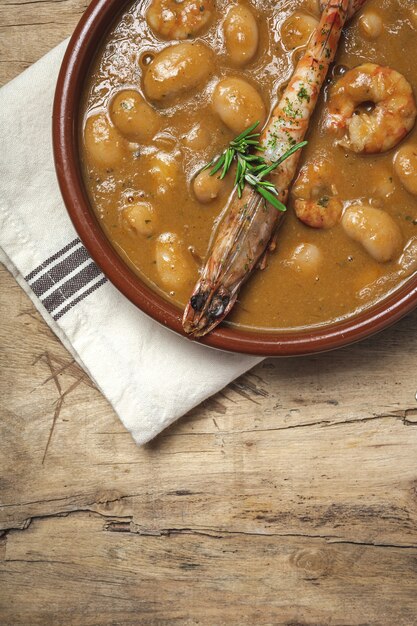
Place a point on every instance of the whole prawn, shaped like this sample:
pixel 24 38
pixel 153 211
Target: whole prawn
pixel 247 231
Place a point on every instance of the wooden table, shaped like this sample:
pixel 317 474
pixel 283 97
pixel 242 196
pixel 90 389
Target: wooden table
pixel 289 498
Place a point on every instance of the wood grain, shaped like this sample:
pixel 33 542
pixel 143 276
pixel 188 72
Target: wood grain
pixel 289 498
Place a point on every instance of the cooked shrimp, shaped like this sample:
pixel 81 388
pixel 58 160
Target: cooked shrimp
pixel 179 19
pixel 248 227
pixel 354 6
pixel 392 108
pixel 316 202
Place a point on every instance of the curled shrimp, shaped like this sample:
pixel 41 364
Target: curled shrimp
pixel 315 195
pixel 391 114
pixel 247 230
pixel 179 19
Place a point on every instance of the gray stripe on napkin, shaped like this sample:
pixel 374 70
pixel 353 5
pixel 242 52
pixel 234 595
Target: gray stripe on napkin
pixel 55 271
pixel 52 258
pixel 79 298
pixel 59 271
pixel 71 287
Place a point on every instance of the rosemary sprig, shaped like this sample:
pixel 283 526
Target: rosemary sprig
pixel 251 168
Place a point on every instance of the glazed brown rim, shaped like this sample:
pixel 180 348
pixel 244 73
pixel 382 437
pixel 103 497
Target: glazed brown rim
pixel 77 60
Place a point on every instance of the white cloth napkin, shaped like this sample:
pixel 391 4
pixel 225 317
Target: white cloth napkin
pixel 150 375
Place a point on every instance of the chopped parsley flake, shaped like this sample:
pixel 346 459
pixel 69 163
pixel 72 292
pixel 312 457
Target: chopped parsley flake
pixel 303 94
pixel 290 111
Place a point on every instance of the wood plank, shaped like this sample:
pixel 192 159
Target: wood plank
pixel 86 574
pixel 29 29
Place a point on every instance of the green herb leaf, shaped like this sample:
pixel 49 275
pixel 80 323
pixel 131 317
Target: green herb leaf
pixel 269 197
pixel 251 168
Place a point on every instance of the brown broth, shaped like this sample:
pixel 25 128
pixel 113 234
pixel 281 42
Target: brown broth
pixel 280 297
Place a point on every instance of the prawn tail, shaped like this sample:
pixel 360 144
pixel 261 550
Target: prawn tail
pixel 206 308
pixel 354 6
pixel 272 245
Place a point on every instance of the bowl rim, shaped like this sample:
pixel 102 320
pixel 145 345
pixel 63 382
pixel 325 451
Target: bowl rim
pixel 82 48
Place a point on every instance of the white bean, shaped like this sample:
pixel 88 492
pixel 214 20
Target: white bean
pixel 370 24
pixel 241 35
pixel 207 188
pixel 197 138
pixel 238 104
pixel 297 29
pixel 164 171
pixel 408 259
pixel 177 69
pixel 179 19
pixel 103 144
pixel 133 117
pixel 375 230
pixel 405 166
pixel 305 258
pixel 172 262
pixel 140 218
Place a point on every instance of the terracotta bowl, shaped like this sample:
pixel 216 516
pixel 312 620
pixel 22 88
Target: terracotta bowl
pixel 82 49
